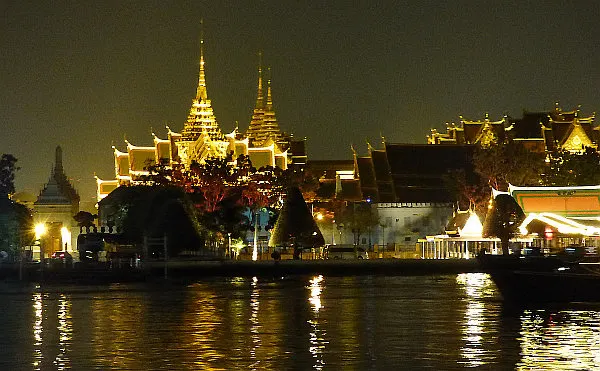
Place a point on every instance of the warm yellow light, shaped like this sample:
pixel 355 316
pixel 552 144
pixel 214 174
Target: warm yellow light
pixel 473 226
pixel 66 238
pixel 40 230
pixel 319 216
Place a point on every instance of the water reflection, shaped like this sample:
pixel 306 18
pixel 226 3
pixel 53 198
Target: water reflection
pixel 560 340
pixel 302 322
pixel 254 323
pixel 65 331
pixel 476 325
pixel 51 335
pixel 317 335
pixel 37 330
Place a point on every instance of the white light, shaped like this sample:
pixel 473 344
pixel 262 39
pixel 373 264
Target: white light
pixel 40 230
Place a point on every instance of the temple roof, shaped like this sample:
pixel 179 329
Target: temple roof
pixel 201 118
pixel 263 125
pixel 59 189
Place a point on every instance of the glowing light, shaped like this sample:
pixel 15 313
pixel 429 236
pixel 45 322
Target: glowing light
pixel 562 224
pixel 315 293
pixel 473 226
pixel 319 216
pixel 40 230
pixel 66 238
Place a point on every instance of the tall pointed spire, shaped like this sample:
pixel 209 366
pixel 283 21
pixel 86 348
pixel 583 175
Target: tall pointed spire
pixel 259 95
pixel 58 166
pixel 258 114
pixel 201 90
pixel 201 119
pixel 269 96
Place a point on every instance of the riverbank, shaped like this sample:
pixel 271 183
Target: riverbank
pixel 186 270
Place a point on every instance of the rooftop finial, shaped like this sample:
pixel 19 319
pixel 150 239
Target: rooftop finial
pixel 201 90
pixel 259 96
pixel 269 97
pixel 58 166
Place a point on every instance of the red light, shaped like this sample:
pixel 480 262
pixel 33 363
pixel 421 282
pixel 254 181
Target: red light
pixel 548 233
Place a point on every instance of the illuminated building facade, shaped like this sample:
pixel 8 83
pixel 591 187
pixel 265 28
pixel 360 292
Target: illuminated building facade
pixel 55 207
pixel 403 182
pixel 202 138
pixel 560 215
pixel 537 131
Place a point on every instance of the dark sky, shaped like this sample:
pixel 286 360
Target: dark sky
pixel 87 74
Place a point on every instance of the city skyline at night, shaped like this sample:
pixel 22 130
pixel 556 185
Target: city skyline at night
pixel 86 76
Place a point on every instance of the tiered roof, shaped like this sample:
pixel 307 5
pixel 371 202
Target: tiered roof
pixel 264 126
pixel 201 118
pixel 58 190
pixel 537 131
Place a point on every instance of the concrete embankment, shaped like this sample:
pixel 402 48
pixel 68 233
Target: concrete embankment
pixel 325 267
pixel 196 269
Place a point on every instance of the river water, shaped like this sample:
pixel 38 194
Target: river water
pixel 293 323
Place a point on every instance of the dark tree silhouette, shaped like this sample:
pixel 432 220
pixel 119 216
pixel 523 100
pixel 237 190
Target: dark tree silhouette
pixel 8 169
pixel 503 220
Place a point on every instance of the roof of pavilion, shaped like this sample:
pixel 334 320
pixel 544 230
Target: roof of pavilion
pixel 576 201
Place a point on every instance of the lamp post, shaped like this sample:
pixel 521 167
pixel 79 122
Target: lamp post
pixel 369 211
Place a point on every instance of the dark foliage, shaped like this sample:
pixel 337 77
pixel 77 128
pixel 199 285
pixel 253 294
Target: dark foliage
pixel 503 220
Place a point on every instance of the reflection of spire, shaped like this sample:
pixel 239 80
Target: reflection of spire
pixel 201 90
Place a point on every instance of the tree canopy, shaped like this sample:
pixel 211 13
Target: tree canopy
pixel 508 163
pixel 564 168
pixel 503 220
pixel 8 169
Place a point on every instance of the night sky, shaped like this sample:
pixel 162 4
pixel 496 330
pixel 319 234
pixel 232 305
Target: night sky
pixel 87 74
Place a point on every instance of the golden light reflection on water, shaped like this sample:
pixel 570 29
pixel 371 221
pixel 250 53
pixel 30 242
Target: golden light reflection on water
pixel 560 340
pixel 317 334
pixel 65 332
pixel 43 317
pixel 37 330
pixel 202 319
pixel 475 325
pixel 254 323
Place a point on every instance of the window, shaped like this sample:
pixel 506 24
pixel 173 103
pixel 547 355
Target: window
pixel 407 239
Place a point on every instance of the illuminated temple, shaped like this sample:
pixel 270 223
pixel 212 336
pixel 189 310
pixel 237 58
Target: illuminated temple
pixel 537 131
pixel 201 138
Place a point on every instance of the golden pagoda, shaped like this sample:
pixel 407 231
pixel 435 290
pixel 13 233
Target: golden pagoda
pixel 201 119
pixel 264 128
pixel 201 138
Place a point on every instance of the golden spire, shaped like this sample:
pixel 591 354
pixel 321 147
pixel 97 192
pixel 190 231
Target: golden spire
pixel 269 97
pixel 201 90
pixel 259 96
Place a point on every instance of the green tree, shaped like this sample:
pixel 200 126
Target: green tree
pixel 357 217
pixel 8 169
pixel 471 193
pixel 503 220
pixel 85 220
pixel 564 168
pixel 508 163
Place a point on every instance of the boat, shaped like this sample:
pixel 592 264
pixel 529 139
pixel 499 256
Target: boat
pixel 572 275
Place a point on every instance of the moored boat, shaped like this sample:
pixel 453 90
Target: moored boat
pixel 571 276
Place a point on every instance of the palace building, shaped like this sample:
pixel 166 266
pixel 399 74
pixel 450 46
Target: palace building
pixel 201 138
pixel 537 131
